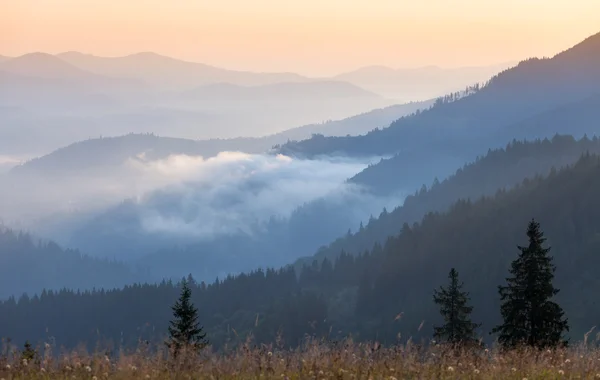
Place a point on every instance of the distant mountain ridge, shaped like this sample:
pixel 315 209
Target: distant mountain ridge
pixel 413 84
pixel 43 81
pixel 110 151
pixel 44 66
pixel 65 101
pixel 576 119
pixel 47 66
pixel 533 86
pixel 358 124
pixel 420 82
pixel 161 70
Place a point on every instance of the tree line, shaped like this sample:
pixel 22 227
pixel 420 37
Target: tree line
pixel 530 315
pixel 380 294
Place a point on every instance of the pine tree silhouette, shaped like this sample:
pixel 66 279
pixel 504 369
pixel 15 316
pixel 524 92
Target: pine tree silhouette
pixel 458 327
pixel 29 353
pixel 530 317
pixel 184 329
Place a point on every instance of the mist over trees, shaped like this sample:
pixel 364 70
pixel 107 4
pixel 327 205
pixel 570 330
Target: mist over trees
pixel 28 265
pixel 521 102
pixel 242 231
pixel 498 170
pixel 379 294
pixel 283 241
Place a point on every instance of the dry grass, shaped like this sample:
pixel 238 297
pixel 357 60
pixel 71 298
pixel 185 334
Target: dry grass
pixel 314 360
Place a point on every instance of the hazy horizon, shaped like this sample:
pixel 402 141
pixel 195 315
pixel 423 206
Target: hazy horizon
pixel 433 65
pixel 310 38
pixel 315 168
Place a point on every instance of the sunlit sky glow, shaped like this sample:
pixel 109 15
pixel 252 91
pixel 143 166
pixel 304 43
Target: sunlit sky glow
pixel 314 37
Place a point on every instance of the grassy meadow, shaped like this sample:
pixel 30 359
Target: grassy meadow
pixel 313 360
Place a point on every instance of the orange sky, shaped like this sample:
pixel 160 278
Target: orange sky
pixel 315 37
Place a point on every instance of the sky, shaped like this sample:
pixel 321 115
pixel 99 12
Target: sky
pixel 311 37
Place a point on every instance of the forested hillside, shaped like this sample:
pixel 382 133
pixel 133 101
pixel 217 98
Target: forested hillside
pixel 498 169
pixel 29 266
pixel 415 167
pixel 532 87
pixel 108 152
pixel 385 295
pixel 536 99
pixel 119 232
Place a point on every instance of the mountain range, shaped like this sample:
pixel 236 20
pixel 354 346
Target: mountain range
pixel 576 119
pixel 532 87
pixel 61 103
pixel 171 73
pixel 521 102
pixel 462 176
pixel 402 85
pixel 377 295
pixel 419 83
pixel 113 151
pixel 49 67
pixel 517 103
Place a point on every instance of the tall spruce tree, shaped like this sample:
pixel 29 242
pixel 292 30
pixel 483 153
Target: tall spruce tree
pixel 530 316
pixel 184 329
pixel 458 327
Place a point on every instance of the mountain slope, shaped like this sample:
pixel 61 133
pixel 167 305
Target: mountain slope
pixel 126 231
pixel 384 296
pixel 42 65
pixel 107 152
pixel 169 72
pixel 354 125
pixel 413 168
pixel 479 239
pixel 498 169
pixel 465 125
pixel 575 118
pixel 418 83
pixel 27 266
pixel 40 81
pixel 47 66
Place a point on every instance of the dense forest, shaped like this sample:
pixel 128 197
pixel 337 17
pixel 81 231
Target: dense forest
pixel 500 168
pixel 311 225
pixel 27 265
pixel 383 294
pixel 119 230
pixel 388 176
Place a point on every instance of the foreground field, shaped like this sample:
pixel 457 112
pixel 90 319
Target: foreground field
pixel 345 360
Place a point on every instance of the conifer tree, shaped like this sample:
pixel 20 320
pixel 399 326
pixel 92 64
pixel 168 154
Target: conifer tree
pixel 458 327
pixel 184 329
pixel 29 353
pixel 530 316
